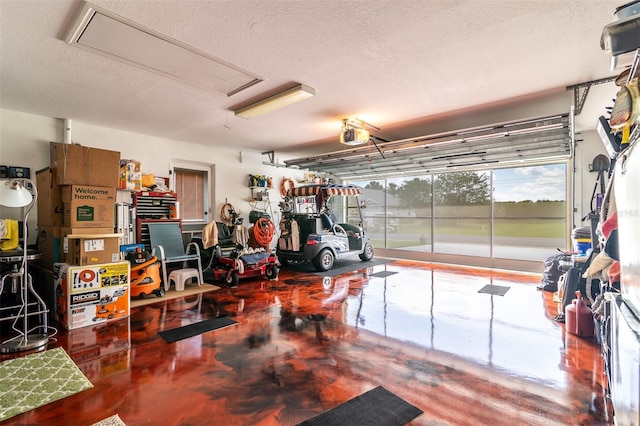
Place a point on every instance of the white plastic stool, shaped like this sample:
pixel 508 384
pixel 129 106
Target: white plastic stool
pixel 180 276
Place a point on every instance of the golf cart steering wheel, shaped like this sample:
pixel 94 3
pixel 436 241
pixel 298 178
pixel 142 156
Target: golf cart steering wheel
pixel 339 229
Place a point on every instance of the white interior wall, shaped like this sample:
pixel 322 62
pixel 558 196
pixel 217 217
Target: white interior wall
pixel 589 145
pixel 24 141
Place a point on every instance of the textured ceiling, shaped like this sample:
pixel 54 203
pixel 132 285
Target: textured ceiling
pixel 387 62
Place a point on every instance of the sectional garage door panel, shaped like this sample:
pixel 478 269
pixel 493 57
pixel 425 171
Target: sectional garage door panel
pixel 539 140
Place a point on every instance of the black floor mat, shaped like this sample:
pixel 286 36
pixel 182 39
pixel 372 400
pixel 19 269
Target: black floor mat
pixel 383 274
pixel 191 330
pixel 375 407
pixel 497 290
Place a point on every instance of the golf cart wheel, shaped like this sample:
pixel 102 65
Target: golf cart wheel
pixel 323 261
pixel 272 272
pixel 232 279
pixel 367 254
pixel 141 296
pixel 159 292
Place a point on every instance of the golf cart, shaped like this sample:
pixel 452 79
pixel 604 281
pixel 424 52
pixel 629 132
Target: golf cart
pixel 322 223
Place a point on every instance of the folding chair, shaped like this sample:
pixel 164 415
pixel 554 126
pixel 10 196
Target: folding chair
pixel 168 247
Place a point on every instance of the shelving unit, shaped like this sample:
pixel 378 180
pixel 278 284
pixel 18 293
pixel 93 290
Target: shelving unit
pixel 263 204
pixel 260 186
pixel 152 207
pixel 620 324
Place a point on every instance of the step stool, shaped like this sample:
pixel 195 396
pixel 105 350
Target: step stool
pixel 180 276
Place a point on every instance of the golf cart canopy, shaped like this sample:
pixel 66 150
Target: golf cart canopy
pixel 327 190
pixel 323 192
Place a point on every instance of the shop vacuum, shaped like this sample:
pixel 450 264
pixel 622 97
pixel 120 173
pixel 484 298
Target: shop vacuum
pixel 145 272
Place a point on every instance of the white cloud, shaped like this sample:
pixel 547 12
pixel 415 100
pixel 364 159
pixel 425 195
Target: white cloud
pixel 530 183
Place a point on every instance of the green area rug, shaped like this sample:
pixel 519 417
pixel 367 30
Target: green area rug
pixel 38 379
pixel 110 421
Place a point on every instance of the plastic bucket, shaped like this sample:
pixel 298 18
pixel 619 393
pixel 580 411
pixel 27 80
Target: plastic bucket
pixel 582 245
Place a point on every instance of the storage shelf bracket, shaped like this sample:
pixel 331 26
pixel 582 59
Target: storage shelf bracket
pixel 580 99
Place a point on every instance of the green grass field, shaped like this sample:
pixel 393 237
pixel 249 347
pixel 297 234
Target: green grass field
pixel 534 228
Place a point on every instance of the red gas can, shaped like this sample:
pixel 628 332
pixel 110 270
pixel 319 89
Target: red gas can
pixel 578 317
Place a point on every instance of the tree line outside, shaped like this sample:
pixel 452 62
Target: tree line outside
pixel 462 205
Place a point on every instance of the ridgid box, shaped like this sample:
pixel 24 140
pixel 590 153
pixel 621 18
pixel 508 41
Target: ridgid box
pixel 88 206
pixel 89 295
pixel 90 246
pixel 50 208
pixel 81 165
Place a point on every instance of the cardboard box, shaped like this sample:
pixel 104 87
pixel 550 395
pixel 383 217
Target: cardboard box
pixel 88 206
pixel 81 165
pixel 50 245
pixel 130 175
pixel 46 178
pixel 90 295
pixel 82 248
pixel 49 205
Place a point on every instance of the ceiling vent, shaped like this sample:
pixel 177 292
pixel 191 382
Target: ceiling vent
pixel 105 33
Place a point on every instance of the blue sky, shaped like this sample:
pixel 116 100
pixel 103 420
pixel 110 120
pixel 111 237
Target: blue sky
pixel 530 183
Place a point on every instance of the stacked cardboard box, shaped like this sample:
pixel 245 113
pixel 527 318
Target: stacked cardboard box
pixel 80 251
pixel 81 165
pixel 77 195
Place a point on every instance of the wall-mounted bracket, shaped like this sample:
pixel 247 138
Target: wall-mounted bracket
pixel 271 155
pixel 272 161
pixel 579 99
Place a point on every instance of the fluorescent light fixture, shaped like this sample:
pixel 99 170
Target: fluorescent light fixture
pixel 105 33
pixel 295 94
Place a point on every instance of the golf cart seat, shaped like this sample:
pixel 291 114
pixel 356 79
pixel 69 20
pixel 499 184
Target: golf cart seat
pixel 327 223
pixel 354 233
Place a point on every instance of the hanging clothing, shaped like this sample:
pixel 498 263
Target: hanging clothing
pixel 210 235
pixel 241 235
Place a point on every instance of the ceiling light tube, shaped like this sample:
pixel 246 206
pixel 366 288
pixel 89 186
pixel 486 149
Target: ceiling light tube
pixel 279 100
